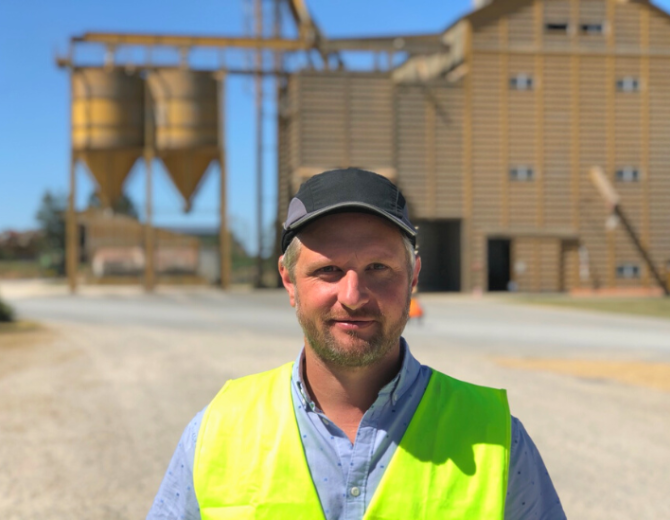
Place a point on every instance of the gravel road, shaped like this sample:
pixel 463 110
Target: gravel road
pixel 93 403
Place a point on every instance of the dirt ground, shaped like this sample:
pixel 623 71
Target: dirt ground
pixel 650 375
pixel 93 402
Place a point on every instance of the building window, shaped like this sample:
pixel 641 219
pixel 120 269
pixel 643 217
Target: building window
pixel 557 28
pixel 521 82
pixel 592 28
pixel 628 271
pixel 628 174
pixel 628 84
pixel 521 173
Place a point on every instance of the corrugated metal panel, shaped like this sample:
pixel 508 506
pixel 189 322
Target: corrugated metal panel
pixel 449 152
pixel 592 12
pixel 659 39
pixel 370 122
pixel 323 120
pixel 627 26
pixel 570 267
pixel 524 264
pixel 536 264
pixel 522 145
pixel 487 36
pixel 429 149
pixel 659 160
pixel 488 173
pixel 593 151
pixel 556 12
pixel 557 196
pixel 521 27
pixel 345 119
pixel 412 148
pixel 549 274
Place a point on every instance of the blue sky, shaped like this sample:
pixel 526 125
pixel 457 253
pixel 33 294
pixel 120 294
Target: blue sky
pixel 34 95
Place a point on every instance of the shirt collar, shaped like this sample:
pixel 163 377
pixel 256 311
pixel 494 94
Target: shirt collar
pixel 394 390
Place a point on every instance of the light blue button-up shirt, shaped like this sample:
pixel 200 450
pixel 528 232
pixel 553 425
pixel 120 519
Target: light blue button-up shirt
pixel 346 475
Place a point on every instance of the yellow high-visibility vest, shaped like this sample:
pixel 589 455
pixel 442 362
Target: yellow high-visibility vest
pixel 451 463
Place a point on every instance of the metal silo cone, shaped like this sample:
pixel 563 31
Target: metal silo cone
pixel 186 112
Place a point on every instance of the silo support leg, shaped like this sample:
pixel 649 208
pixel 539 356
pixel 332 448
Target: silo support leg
pixel 149 275
pixel 72 235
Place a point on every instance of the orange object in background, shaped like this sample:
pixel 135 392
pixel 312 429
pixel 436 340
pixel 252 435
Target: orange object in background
pixel 415 309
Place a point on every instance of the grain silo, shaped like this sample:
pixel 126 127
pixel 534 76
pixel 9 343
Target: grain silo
pixel 107 125
pixel 186 114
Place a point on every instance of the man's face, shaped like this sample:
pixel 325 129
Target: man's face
pixel 351 288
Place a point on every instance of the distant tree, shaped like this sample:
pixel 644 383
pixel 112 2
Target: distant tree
pixel 51 217
pixel 124 205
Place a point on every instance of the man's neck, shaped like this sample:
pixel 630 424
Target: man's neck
pixel 346 393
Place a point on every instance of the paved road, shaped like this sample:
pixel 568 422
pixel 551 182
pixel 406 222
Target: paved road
pixel 93 405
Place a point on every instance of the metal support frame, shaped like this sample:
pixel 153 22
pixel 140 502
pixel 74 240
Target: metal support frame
pixel 413 43
pixel 258 13
pixel 224 236
pixel 72 229
pixel 149 154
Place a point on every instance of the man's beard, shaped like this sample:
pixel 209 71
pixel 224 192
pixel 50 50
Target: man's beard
pixel 358 352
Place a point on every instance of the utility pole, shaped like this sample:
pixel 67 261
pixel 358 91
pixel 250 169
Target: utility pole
pixel 258 15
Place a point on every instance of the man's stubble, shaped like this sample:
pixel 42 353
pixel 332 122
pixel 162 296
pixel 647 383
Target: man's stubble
pixel 367 352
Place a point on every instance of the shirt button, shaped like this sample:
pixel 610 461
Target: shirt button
pixel 355 491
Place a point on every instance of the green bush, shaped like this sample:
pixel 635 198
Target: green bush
pixel 6 312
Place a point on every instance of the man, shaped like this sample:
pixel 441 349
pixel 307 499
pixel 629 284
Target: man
pixel 356 427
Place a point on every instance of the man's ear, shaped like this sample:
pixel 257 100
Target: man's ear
pixel 286 280
pixel 417 270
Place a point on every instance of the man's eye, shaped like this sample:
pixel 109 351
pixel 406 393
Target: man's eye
pixel 328 269
pixel 378 267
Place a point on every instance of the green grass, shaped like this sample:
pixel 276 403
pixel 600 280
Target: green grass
pixel 13 269
pixel 18 326
pixel 656 307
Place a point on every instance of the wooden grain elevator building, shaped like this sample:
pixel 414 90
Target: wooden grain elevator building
pixel 492 141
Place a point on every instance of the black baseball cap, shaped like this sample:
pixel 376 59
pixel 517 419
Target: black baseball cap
pixel 346 191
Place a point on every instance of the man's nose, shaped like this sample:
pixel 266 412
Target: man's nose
pixel 353 293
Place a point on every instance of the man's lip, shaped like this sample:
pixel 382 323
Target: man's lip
pixel 353 324
pixel 352 320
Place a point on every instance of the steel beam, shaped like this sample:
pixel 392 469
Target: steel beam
pixel 224 236
pixel 420 43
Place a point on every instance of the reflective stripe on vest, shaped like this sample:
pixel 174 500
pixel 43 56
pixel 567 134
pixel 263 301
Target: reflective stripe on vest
pixel 451 463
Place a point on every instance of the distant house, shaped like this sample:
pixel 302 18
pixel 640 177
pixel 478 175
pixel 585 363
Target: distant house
pixel 113 244
pixel 492 140
pixel 20 245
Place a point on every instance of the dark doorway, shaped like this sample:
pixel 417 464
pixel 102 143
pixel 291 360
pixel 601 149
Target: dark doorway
pixel 439 244
pixel 499 264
